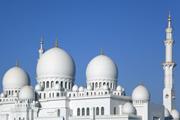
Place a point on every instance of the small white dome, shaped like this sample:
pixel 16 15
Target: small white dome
pixel 15 78
pixel 175 114
pixel 2 95
pixel 128 108
pixel 57 87
pixel 105 87
pixel 81 89
pixel 27 93
pixel 75 88
pixel 55 62
pixel 89 87
pixel 38 87
pixel 166 112
pixel 141 93
pixel 119 88
pixel 101 67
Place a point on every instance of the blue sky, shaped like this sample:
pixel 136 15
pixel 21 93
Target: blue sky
pixel 130 32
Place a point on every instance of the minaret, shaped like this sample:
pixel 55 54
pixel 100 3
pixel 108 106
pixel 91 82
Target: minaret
pixel 41 49
pixel 168 66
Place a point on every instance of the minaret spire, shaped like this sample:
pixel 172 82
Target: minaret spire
pixel 168 66
pixel 41 49
pixel 169 20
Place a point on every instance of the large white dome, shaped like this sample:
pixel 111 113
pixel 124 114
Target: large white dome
pixel 15 78
pixel 55 62
pixel 141 93
pixel 101 67
pixel 27 93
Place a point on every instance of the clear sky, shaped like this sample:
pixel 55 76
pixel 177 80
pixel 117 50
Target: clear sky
pixel 131 32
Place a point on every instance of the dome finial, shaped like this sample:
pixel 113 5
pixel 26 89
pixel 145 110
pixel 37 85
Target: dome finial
pixel 41 42
pixel 101 51
pixel 56 42
pixel 41 49
pixel 17 63
pixel 141 83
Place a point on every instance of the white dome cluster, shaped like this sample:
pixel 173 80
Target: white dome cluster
pixel 129 109
pixel 15 78
pixel 140 93
pixel 27 93
pixel 55 62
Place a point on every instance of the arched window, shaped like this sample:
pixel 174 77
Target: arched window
pixel 100 85
pixel 44 95
pixel 43 84
pixel 96 85
pixel 69 85
pixel 47 84
pixel 102 110
pixel 57 82
pixel 111 85
pixel 65 84
pixel 97 110
pixel 61 84
pixel 87 111
pixel 57 94
pixel 40 95
pixel 92 85
pixel 49 95
pixel 114 110
pixel 52 84
pixel 78 112
pixel 104 83
pixel 58 112
pixel 83 111
pixel 108 84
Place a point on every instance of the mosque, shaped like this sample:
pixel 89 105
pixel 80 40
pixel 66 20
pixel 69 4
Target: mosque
pixel 57 97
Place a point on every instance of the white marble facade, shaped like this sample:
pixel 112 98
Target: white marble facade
pixel 57 97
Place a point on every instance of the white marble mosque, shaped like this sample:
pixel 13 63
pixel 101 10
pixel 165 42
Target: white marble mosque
pixel 57 97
